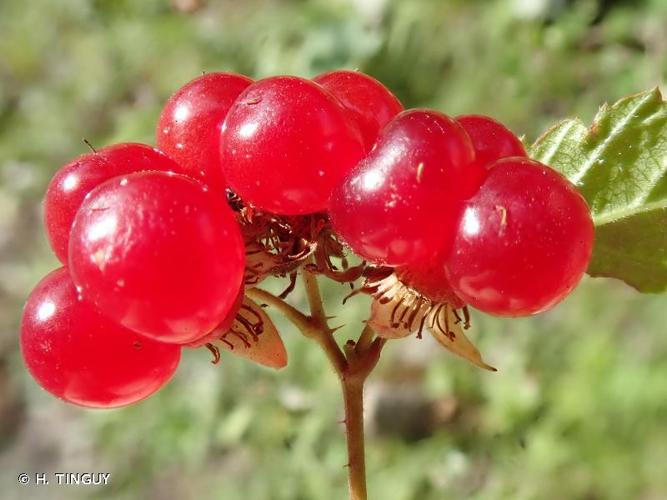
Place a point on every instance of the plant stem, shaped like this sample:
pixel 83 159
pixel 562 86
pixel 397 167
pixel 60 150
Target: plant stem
pixel 314 299
pixel 299 319
pixel 365 339
pixel 306 325
pixel 353 365
pixel 353 396
pixel 318 318
pixel 361 363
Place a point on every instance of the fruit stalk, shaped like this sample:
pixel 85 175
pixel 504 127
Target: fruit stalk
pixel 352 374
pixel 352 365
pixel 362 356
pixel 321 332
pixel 353 397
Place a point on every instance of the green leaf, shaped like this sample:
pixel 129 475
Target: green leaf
pixel 619 164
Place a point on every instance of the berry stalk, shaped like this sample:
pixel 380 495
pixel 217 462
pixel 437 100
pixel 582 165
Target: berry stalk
pixel 353 397
pixel 318 317
pixel 362 356
pixel 353 365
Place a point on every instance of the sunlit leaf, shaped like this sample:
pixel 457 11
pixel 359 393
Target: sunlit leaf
pixel 619 164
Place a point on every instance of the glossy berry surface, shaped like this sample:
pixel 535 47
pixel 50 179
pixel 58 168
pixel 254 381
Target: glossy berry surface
pixel 70 185
pixel 490 138
pixel 189 125
pixel 371 104
pixel 524 240
pixel 158 253
pixel 429 278
pixel 399 205
pixel 77 354
pixel 286 143
pixel 224 325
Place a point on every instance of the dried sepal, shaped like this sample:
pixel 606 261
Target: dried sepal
pixel 328 248
pixel 253 336
pixel 276 245
pixel 262 262
pixel 397 311
pixel 449 334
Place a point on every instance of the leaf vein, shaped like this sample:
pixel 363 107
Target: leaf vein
pixel 624 213
pixel 555 144
pixel 616 131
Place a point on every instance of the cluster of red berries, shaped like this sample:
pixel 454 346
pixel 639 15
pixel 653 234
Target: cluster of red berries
pixel 151 239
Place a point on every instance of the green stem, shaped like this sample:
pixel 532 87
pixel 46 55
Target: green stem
pixel 365 339
pixel 353 366
pixel 353 397
pixel 314 299
pixel 306 325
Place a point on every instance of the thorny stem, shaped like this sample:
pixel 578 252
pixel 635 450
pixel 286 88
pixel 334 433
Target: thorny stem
pixel 360 365
pixel 299 319
pixel 365 339
pixel 314 299
pixel 318 319
pixel 353 397
pixel 353 365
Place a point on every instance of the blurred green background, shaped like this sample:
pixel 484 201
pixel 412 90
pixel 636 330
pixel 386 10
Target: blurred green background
pixel 578 409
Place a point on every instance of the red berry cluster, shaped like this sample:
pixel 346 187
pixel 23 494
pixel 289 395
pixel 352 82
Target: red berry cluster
pixel 461 212
pixel 250 178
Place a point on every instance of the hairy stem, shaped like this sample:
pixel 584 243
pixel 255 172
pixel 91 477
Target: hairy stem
pixel 318 318
pixel 306 325
pixel 352 365
pixel 365 339
pixel 295 316
pixel 353 397
pixel 361 363
pixel 314 299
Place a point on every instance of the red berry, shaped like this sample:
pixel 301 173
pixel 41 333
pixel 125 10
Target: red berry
pixel 371 104
pixel 490 138
pixel 399 205
pixel 524 240
pixel 430 279
pixel 286 143
pixel 189 126
pixel 79 355
pixel 158 253
pixel 224 325
pixel 70 185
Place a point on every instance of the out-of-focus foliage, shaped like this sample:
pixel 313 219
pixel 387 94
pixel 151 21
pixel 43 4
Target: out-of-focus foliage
pixel 578 409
